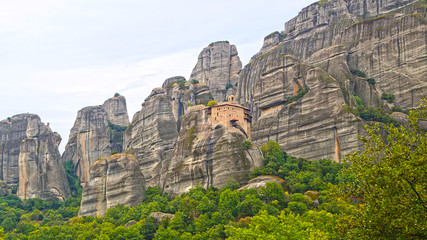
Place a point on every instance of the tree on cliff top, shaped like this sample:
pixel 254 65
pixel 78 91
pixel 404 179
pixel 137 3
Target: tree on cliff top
pixel 388 199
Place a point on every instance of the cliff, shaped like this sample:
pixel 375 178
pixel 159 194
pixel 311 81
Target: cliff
pixel 218 65
pixel 41 173
pixel 95 135
pixel 184 93
pixel 113 180
pixel 30 158
pixel 116 110
pixel 152 134
pixel 207 155
pixel 334 50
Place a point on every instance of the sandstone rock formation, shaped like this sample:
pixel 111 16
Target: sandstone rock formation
pixel 30 158
pixel 41 173
pixel 159 216
pixel 218 65
pixel 184 94
pixel 270 41
pixel 152 134
pixel 317 125
pixel 116 110
pixel 95 134
pixel 326 50
pixel 207 155
pixel 262 181
pixel 113 180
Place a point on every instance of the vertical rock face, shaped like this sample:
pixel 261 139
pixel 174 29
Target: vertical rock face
pixel 270 41
pixel 319 50
pixel 207 156
pixel 12 132
pixel 184 94
pixel 30 158
pixel 41 173
pixel 318 125
pixel 218 65
pixel 113 180
pixel 95 135
pixel 152 135
pixel 116 110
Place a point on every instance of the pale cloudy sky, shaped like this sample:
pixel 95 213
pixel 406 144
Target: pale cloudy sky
pixel 58 56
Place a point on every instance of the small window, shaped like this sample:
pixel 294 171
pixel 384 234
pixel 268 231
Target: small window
pixel 215 118
pixel 217 114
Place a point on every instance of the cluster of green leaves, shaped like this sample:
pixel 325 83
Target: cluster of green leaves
pixel 358 73
pixel 388 97
pixel 247 144
pixel 116 128
pixel 361 74
pixel 212 43
pixel 212 103
pixel 299 95
pixel 388 197
pixel 373 113
pixel 371 81
pixel 300 174
pixel 194 81
pixel 181 84
pixel 228 86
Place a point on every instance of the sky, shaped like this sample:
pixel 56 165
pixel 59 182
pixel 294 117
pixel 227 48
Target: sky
pixel 58 56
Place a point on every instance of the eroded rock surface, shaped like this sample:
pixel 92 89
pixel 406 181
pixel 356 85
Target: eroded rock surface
pixel 184 94
pixel 262 181
pixel 324 50
pixel 30 158
pixel 116 110
pixel 113 180
pixel 96 134
pixel 152 134
pixel 159 216
pixel 41 173
pixel 207 156
pixel 218 65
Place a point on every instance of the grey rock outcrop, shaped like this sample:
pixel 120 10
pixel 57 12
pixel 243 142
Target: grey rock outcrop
pixel 270 41
pixel 159 216
pixel 152 134
pixel 167 84
pixel 262 181
pixel 322 47
pixel 116 110
pixel 30 158
pixel 113 180
pixel 12 132
pixel 218 65
pixel 41 173
pixel 95 135
pixel 207 156
pixel 318 125
pixel 184 94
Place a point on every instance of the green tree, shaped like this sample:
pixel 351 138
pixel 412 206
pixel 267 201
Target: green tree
pixel 284 226
pixel 389 188
pixel 212 103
